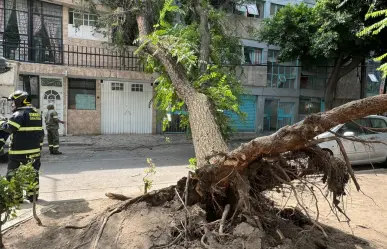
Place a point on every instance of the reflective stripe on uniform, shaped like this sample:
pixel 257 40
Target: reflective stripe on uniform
pixel 39 128
pixel 50 145
pixel 13 124
pixel 22 152
pixel 34 155
pixel 54 116
pixel 56 146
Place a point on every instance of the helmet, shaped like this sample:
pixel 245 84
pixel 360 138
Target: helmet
pixel 50 107
pixel 20 98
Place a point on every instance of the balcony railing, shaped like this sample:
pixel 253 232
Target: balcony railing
pixel 73 55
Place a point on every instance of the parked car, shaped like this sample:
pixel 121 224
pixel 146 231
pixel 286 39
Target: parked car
pixel 358 152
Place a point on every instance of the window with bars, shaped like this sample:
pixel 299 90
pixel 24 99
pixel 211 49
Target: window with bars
pixel 79 18
pixel 116 86
pixel 253 56
pixel 30 84
pixel 82 94
pixel 280 75
pixel 309 105
pixel 31 31
pixel 137 87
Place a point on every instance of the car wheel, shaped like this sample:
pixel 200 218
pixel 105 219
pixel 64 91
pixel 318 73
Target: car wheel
pixel 384 164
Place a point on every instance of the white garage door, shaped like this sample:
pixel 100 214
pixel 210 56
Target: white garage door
pixel 125 108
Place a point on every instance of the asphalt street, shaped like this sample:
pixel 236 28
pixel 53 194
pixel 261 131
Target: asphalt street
pixel 88 173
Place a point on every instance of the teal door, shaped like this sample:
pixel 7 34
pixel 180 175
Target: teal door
pixel 248 106
pixel 285 114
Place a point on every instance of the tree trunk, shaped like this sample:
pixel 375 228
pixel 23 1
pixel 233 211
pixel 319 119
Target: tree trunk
pixel 207 138
pixel 333 80
pixel 340 70
pixel 206 134
pixel 205 37
pixel 1 237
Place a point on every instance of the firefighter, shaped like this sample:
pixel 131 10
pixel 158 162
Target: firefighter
pixel 3 138
pixel 52 126
pixel 25 127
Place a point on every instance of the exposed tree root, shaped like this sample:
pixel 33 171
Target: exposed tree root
pixel 119 197
pixel 36 217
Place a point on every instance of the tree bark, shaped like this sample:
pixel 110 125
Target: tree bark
pixel 297 136
pixel 289 138
pixel 333 80
pixel 1 237
pixel 207 138
pixel 205 37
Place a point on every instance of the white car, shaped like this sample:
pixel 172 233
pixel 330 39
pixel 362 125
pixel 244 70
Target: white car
pixel 359 153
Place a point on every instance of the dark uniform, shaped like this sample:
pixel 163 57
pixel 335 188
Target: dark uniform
pixel 3 138
pixel 25 127
pixel 52 126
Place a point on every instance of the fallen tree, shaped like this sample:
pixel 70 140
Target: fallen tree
pixel 230 189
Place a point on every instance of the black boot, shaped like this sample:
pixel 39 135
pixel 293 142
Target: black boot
pixel 56 152
pixel 30 198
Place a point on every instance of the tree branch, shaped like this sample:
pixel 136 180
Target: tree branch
pixel 205 37
pixel 174 69
pixel 346 69
pixel 297 136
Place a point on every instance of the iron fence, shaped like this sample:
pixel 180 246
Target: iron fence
pixel 73 55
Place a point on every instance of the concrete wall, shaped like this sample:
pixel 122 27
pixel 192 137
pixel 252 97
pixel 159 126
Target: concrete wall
pixel 82 72
pixel 241 26
pixel 8 80
pixel 254 76
pixel 85 122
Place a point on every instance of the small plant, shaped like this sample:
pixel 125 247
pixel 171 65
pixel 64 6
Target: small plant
pixel 151 170
pixel 168 139
pixel 192 164
pixel 11 192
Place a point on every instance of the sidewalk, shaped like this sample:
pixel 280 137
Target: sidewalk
pixel 133 141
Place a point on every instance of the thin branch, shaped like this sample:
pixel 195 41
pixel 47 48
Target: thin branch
pixel 348 164
pixel 224 217
pixel 168 245
pixel 181 200
pixel 288 182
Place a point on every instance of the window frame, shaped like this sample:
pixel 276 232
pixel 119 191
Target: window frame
pixel 84 18
pixel 78 82
pixel 277 7
pixel 245 48
pixel 136 87
pixel 23 78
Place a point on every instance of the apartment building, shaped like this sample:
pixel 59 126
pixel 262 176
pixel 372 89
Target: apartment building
pixel 58 58
pixel 280 94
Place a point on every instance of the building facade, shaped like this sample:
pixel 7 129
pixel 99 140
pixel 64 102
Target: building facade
pixel 280 94
pixel 58 58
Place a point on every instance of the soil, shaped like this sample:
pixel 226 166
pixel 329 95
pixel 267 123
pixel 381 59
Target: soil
pixel 143 226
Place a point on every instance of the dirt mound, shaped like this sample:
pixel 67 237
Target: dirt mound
pixel 143 225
